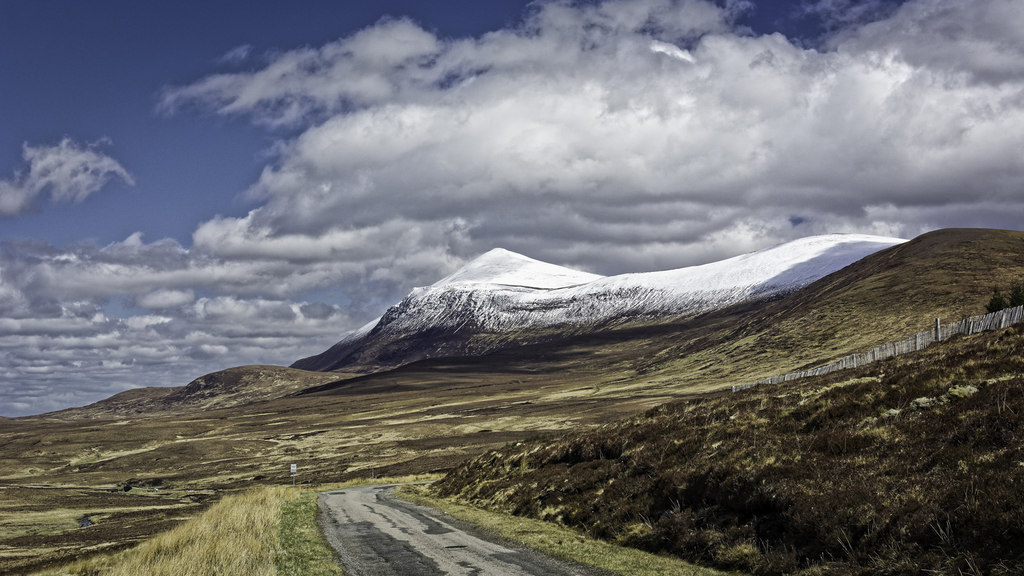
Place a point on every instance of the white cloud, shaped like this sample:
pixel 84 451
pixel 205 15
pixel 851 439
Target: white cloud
pixel 671 50
pixel 980 41
pixel 68 171
pixel 163 298
pixel 57 352
pixel 370 66
pixel 573 134
pixel 81 323
pixel 613 136
pixel 236 55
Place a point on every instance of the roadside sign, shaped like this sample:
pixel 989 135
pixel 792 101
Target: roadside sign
pixel 295 468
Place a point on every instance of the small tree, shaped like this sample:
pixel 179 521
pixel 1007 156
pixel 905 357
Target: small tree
pixel 997 302
pixel 1016 296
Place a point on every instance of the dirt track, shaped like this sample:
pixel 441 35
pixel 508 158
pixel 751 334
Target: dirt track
pixel 376 534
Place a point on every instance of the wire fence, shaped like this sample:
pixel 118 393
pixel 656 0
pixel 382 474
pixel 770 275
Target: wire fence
pixel 919 341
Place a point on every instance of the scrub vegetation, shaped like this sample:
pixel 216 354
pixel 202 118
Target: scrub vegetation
pixel 560 541
pixel 913 465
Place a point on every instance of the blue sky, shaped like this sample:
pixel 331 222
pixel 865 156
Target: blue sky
pixel 94 70
pixel 186 187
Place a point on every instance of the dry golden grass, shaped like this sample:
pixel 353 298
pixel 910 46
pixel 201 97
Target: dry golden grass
pixel 236 536
pixel 247 534
pixel 907 466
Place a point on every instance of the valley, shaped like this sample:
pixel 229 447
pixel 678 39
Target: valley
pixel 149 458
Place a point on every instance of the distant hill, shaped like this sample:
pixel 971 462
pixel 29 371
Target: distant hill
pixel 219 390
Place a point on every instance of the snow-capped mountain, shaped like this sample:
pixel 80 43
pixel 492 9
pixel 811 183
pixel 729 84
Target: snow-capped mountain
pixel 502 293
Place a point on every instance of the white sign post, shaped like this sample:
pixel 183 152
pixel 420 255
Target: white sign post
pixel 295 469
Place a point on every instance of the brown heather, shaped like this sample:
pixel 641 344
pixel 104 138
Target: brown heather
pixel 913 465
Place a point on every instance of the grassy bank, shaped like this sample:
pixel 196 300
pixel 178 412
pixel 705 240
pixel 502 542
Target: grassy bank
pixel 265 531
pixel 558 541
pixel 912 465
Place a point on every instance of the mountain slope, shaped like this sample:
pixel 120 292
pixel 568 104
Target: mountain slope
pixel 881 298
pixel 884 297
pixel 502 298
pixel 908 466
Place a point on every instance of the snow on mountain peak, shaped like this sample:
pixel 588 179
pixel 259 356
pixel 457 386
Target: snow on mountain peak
pixel 503 268
pixel 502 292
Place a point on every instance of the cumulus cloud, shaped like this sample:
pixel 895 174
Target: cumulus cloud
pixel 626 134
pixel 163 298
pixel 613 136
pixel 68 171
pixel 981 42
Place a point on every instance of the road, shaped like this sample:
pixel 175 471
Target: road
pixel 376 534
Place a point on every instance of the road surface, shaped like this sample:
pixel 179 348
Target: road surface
pixel 376 534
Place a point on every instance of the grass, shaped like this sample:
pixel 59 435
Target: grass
pixel 911 465
pixel 304 550
pixel 265 531
pixel 558 541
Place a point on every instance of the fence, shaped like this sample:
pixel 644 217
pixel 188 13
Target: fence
pixel 921 340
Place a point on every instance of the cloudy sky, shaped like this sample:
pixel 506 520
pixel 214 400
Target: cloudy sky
pixel 186 187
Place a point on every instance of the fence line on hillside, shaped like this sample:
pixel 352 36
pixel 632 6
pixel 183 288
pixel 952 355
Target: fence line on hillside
pixel 919 341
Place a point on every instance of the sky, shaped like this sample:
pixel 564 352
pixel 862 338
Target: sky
pixel 190 186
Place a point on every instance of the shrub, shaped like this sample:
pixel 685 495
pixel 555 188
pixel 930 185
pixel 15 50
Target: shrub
pixel 805 477
pixel 997 302
pixel 1000 302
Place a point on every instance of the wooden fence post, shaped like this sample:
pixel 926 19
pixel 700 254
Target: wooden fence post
pixel 919 341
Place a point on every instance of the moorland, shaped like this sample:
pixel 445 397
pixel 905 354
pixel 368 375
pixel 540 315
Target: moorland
pixel 747 480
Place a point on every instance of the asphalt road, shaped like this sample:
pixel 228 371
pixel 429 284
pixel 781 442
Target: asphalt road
pixel 376 534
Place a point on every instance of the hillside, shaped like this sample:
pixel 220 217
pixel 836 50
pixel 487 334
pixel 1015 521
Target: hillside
pixel 503 299
pixel 913 465
pixel 887 296
pixel 228 388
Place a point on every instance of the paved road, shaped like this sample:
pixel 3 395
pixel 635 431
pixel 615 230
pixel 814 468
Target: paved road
pixel 376 534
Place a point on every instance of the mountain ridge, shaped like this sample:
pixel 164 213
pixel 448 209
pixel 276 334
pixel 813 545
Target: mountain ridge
pixel 884 297
pixel 502 293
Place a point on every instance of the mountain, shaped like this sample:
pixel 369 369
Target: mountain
pixel 846 473
pixel 503 298
pixel 884 297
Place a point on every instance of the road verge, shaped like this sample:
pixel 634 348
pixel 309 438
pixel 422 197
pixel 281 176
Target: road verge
pixel 557 541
